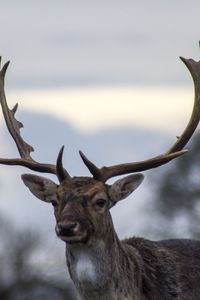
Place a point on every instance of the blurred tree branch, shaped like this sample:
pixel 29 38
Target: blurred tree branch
pixel 177 195
pixel 18 278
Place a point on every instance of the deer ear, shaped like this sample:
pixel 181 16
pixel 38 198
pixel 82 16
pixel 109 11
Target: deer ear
pixel 122 188
pixel 41 187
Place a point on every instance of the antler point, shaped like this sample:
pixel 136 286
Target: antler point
pixel 82 154
pixel 4 69
pixel 94 170
pixel 61 173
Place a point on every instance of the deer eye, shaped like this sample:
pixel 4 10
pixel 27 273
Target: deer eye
pixel 101 202
pixel 54 203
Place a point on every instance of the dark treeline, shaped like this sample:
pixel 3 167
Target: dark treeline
pixel 19 280
pixel 176 198
pixel 177 195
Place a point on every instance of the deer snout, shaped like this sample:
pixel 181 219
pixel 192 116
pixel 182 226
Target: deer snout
pixel 67 228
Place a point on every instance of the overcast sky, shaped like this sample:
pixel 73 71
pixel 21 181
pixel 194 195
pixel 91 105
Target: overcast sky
pixel 89 42
pixel 123 54
pixel 128 50
pixel 95 109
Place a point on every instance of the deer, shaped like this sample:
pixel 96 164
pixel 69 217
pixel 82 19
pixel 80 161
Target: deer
pixel 102 266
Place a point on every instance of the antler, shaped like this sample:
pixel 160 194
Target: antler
pixel 24 149
pixel 104 173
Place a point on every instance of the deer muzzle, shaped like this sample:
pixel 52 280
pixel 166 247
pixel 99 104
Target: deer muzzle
pixel 67 228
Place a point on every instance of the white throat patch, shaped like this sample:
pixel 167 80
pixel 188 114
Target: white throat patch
pixel 85 268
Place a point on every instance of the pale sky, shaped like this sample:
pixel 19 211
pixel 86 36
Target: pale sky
pixel 97 43
pixel 92 109
pixel 95 65
pixel 102 63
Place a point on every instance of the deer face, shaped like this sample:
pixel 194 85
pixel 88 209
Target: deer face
pixel 81 204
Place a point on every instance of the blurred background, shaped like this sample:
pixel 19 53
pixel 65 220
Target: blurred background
pixel 103 77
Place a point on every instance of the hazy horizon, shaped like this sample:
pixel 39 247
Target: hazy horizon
pixel 98 43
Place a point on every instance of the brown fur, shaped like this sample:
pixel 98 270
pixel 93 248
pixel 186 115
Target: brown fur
pixel 101 266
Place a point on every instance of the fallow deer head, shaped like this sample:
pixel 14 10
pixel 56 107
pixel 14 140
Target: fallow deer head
pixel 82 204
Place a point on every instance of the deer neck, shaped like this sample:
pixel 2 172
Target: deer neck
pixel 96 267
pixel 88 261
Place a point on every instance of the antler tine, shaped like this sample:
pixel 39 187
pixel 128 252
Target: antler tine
pixel 96 172
pixel 14 127
pixel 12 124
pixel 104 173
pixel 194 68
pixel 62 174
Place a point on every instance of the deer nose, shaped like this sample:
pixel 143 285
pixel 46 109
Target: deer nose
pixel 66 229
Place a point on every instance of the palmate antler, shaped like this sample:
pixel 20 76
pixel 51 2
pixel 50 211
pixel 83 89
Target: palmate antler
pixel 24 149
pixel 104 173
